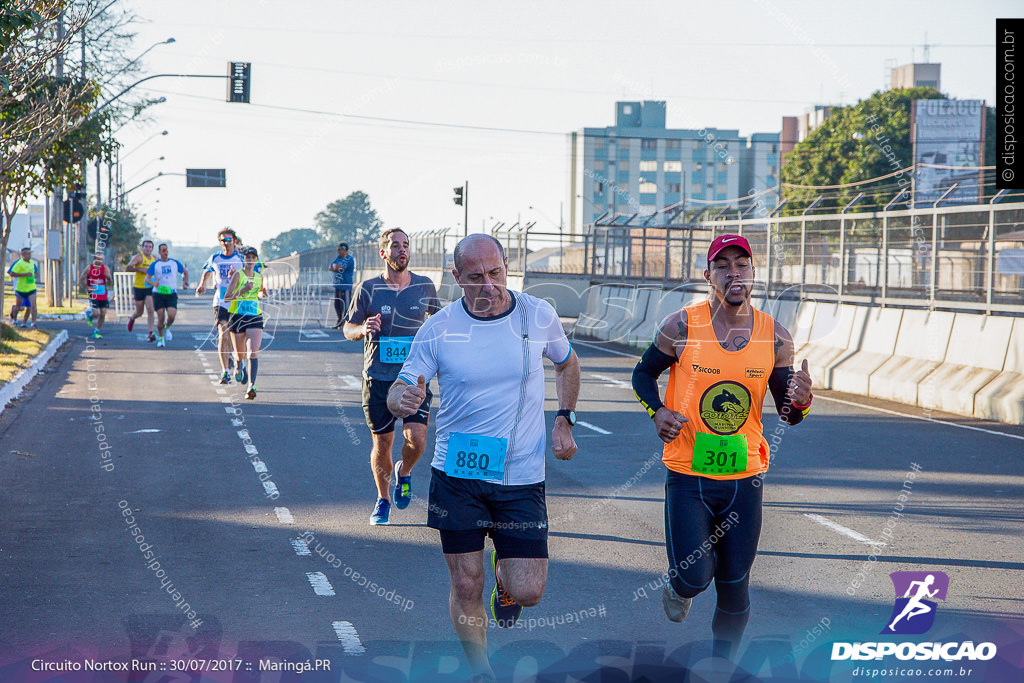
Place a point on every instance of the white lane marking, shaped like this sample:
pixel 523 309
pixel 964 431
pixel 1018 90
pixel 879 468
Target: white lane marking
pixel 221 391
pixel 237 422
pixel 259 465
pixel 229 410
pixel 301 546
pixel 594 427
pixel 320 584
pixel 313 334
pixel 225 399
pixel 145 431
pixel 613 381
pixel 839 528
pixel 350 382
pixel 284 516
pixel 348 637
pixel 271 489
pixel 243 434
pixel 251 450
pixel 924 419
pixel 599 348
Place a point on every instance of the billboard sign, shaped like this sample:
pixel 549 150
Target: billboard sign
pixel 948 145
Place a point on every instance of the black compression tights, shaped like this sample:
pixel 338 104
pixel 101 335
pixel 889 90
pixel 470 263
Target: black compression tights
pixel 711 532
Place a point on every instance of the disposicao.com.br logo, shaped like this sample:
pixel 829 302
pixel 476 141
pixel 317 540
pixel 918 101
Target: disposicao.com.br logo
pixel 912 614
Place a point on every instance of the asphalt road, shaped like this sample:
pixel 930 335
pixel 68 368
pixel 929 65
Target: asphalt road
pixel 254 517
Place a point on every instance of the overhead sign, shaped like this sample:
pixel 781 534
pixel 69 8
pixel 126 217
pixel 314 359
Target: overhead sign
pixel 948 137
pixel 238 81
pixel 205 177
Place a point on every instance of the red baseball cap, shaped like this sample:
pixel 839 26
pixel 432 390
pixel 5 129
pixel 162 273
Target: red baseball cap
pixel 723 241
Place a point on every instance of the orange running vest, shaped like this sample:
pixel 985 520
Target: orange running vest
pixel 719 391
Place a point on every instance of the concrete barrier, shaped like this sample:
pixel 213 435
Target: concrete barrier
pixel 875 342
pixel 619 309
pixel 804 321
pixel 920 348
pixel 638 312
pixel 662 305
pixel 594 315
pixel 830 340
pixel 975 355
pixel 1003 398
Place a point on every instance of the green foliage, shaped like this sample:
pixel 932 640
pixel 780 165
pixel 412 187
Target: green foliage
pixel 351 219
pixel 125 235
pixel 832 156
pixel 297 240
pixel 12 22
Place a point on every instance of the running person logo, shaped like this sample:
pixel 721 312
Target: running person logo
pixel 724 407
pixel 914 612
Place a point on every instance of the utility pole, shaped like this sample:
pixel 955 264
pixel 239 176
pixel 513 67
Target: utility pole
pixel 55 281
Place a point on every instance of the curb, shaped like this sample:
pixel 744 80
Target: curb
pixel 12 389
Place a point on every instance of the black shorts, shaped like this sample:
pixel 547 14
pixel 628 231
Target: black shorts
pixel 240 323
pixel 24 298
pixel 164 300
pixel 221 315
pixel 100 303
pixel 465 511
pixel 140 293
pixel 375 407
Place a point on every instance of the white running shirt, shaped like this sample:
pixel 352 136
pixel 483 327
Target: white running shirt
pixel 479 367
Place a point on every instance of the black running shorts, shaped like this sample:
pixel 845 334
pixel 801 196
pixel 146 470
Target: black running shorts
pixel 466 511
pixel 375 407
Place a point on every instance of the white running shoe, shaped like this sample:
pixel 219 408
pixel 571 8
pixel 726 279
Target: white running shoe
pixel 167 334
pixel 676 607
pixel 160 343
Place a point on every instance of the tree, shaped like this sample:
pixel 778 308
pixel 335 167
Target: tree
pixel 299 239
pixel 351 219
pixel 125 235
pixel 832 155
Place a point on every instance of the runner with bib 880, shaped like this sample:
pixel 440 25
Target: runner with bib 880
pixel 487 350
pixel 724 356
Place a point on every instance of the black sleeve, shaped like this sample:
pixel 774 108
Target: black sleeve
pixel 778 382
pixel 645 378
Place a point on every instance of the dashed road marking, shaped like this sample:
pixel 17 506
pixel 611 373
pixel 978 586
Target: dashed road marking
pixel 351 382
pixel 612 381
pixel 301 546
pixel 349 638
pixel 284 515
pixel 839 528
pixel 320 584
pixel 594 427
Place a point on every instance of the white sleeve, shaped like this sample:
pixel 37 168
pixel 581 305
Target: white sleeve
pixel 422 358
pixel 556 344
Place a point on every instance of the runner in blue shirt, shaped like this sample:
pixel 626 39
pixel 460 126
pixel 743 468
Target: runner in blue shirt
pixel 344 268
pixel 162 276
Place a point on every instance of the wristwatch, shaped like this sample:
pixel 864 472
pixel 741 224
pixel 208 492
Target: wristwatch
pixel 569 415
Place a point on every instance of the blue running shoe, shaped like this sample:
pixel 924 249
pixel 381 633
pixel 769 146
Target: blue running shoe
pixel 504 609
pixel 403 488
pixel 240 373
pixel 381 512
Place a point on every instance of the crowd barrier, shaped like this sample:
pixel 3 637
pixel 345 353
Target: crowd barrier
pixel 962 363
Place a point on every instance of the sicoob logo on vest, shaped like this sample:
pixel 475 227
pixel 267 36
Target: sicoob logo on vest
pixel 724 407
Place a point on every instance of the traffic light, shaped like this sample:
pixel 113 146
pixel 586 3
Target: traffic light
pixel 458 196
pixel 73 210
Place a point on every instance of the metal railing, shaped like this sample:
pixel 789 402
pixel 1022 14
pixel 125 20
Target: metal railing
pixel 959 258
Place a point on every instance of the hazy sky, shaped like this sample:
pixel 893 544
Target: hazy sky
pixel 401 99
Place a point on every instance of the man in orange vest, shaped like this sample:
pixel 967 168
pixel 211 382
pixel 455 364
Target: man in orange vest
pixel 724 356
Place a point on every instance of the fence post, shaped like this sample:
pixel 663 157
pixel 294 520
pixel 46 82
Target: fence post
pixel 842 256
pixel 803 255
pixel 935 256
pixel 990 274
pixel 643 253
pixel 885 257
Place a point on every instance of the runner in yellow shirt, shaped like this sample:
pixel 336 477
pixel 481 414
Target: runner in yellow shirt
pixel 24 272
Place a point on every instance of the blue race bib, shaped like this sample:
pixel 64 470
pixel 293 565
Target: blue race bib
pixel 99 290
pixel 394 349
pixel 248 308
pixel 473 456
